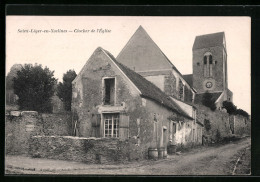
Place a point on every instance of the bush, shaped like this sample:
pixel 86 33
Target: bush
pixel 230 107
pixel 218 136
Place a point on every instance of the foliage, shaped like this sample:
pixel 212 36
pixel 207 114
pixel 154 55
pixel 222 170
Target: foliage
pixel 242 112
pixel 11 75
pixel 34 86
pixel 208 101
pixel 64 90
pixel 207 124
pixel 218 135
pixel 230 107
pixel 11 98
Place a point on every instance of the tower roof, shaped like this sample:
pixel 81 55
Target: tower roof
pixel 209 40
pixel 142 54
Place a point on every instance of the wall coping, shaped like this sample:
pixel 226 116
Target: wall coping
pixel 75 137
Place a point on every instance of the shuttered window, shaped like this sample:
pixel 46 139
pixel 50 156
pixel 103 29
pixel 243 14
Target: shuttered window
pixel 96 121
pixel 124 126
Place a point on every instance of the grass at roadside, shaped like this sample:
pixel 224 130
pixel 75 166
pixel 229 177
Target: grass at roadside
pixel 241 163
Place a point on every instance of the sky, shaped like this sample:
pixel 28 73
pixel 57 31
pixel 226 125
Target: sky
pixel 26 42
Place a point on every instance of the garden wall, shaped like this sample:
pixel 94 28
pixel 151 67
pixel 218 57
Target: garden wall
pixel 242 125
pixel 21 125
pixel 88 150
pixel 222 124
pixel 59 124
pixel 216 123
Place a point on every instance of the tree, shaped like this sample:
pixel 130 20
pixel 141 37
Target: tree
pixel 64 90
pixel 230 107
pixel 208 101
pixel 11 75
pixel 34 86
pixel 11 98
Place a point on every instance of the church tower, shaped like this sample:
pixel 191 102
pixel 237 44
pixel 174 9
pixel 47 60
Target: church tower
pixel 210 63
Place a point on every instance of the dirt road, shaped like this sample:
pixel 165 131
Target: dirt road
pixel 217 160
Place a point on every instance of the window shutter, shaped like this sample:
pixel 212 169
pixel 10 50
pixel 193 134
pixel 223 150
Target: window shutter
pixel 124 126
pixel 98 123
pixel 95 122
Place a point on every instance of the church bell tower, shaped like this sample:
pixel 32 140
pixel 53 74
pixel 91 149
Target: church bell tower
pixel 210 63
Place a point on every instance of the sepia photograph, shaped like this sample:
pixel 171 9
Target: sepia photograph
pixel 128 95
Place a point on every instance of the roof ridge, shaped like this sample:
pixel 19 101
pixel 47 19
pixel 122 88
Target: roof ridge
pixel 164 99
pixel 167 59
pixel 210 34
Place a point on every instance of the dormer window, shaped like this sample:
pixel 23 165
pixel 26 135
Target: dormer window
pixel 109 91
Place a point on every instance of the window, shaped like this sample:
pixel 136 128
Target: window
pixel 205 59
pixel 109 91
pixel 198 64
pixel 205 66
pixel 208 62
pixel 111 125
pixel 210 65
pixel 210 59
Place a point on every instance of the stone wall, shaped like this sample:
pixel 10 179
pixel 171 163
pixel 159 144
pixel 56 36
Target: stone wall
pixel 88 150
pixel 222 124
pixel 217 70
pixel 218 120
pixel 59 124
pixel 21 126
pixel 170 87
pixel 242 125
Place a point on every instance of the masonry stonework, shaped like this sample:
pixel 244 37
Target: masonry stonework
pixel 87 150
pixel 20 126
pixel 217 72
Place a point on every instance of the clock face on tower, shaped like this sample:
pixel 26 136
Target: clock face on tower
pixel 208 84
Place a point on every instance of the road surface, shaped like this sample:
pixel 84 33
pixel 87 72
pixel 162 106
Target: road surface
pixel 214 160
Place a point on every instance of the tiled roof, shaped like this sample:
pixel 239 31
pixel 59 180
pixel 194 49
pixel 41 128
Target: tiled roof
pixel 148 89
pixel 188 79
pixel 199 97
pixel 208 40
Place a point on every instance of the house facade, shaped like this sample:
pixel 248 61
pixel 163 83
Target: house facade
pixel 112 101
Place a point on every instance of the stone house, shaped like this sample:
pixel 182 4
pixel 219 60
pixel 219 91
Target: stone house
pixel 112 101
